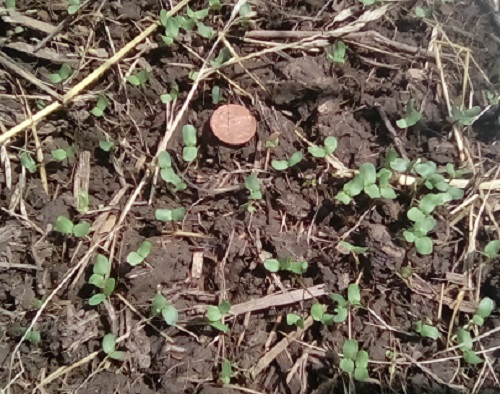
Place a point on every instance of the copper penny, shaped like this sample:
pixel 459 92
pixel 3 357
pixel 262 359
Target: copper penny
pixel 233 124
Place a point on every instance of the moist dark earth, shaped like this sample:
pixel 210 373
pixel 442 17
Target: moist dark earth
pixel 297 96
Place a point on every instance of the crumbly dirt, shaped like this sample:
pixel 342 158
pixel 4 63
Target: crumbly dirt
pixel 298 97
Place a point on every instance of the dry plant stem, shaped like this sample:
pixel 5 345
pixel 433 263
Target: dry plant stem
pixel 93 76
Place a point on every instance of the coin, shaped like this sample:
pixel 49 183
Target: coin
pixel 233 124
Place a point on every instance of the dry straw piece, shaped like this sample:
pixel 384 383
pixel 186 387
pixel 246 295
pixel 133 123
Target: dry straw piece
pixel 233 124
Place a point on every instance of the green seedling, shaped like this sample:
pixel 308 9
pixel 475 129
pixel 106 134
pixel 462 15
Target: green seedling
pixel 109 348
pixel 28 162
pixel 139 78
pixel 167 172
pixel 464 117
pixel 214 5
pixel 171 25
pixel 421 12
pixel 484 309
pixel 347 248
pixel 215 314
pixel 464 340
pixel 355 361
pixel 170 215
pixel 82 202
pixel 318 313
pixel 343 305
pixel 226 372
pixel 100 279
pixel 137 257
pixel 73 6
pixel 223 56
pixel 426 330
pixel 64 154
pixel 281 165
pixel 193 75
pixel 286 264
pixel 368 181
pixel 100 106
pixel 63 74
pixel 492 248
pixel 107 146
pixel 67 227
pixel 294 320
pixel 252 184
pixel 246 12
pixel 412 116
pixel 190 150
pixel 160 306
pixel 336 52
pixel 216 95
pixel 10 5
pixel 34 337
pixel 170 97
pixel 320 152
pixel 493 99
pixel 197 17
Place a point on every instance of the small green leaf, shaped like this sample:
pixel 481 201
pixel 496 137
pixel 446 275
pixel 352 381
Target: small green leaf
pixel 429 331
pixel 372 191
pixel 330 144
pixel 400 165
pixel 272 265
pixel 336 54
pixel 472 358
pixel 106 146
pixel 117 355
pixel 189 135
pixel 109 286
pixel 420 12
pixel 292 319
pixel 59 154
pixel 328 319
pixel 409 236
pixel 34 337
pixel 170 215
pixel 485 307
pixel 170 314
pixel 295 159
pixel 343 198
pixel 354 294
pixel 341 301
pixel 415 214
pixel 55 78
pixel 246 11
pixel 65 72
pixel 101 265
pixel 279 165
pixel 167 40
pixel 109 343
pixel 205 31
pixel 158 304
pixel 350 349
pixel 354 186
pixel 96 299
pixel 171 28
pixel 478 320
pixel 341 315
pixel 412 116
pixel 189 153
pixel 317 311
pixel 134 259
pixel 224 307
pixel 64 225
pixel 164 160
pixel 362 359
pixel 81 229
pixel 360 374
pixel 492 248
pixel 73 9
pixel 252 183
pixel 10 5
pixel 425 170
pixel 425 225
pixel 388 193
pixel 144 249
pixel 163 17
pixel 317 151
pixel 298 267
pixel 464 339
pixel 216 95
pixel 96 280
pixel 215 5
pixel 347 365
pixel 424 245
pixel 219 326
pixel 27 162
pixel 214 313
pixel 346 248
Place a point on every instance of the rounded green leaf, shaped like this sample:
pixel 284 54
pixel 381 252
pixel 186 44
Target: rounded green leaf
pixel 330 144
pixel 204 30
pixel 279 165
pixel 347 365
pixel 144 249
pixel 429 331
pixel 96 299
pixel 178 214
pixel 360 374
pixel 171 27
pixel 109 343
pixel 317 151
pixel 27 162
pixel 252 183
pixel 134 259
pixel 272 265
pixel 317 311
pixel 425 225
pixel 133 80
pixel 224 307
pixel 362 359
pixel 464 339
pixel 213 313
pixel 472 358
pixel 388 193
pixel 372 191
pixel 456 193
pixel 109 286
pixel 343 198
pixel 354 186
pixel 169 176
pixel 368 172
pixel 425 169
pixel 164 215
pixel 492 248
pixel 485 307
pixel 341 315
pixel 338 299
pixel 97 112
pixel 219 326
pixel 328 319
pixel 59 154
pixel 424 245
pixel 298 267
pixel 415 214
pixel 354 294
pixel 159 302
pixel 384 177
pixel 170 315
pixel 350 349
pixel 81 229
pixel 409 236
pixel 163 17
pixel 64 225
pixel 189 153
pixel 96 280
pixel 106 146
pixel 292 319
pixel 101 265
pixel 478 320
pixel 189 135
pixel 295 159
pixel 164 160
pixel 399 164
pixel 117 355
pixel 216 95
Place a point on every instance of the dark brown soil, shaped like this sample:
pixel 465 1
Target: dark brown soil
pixel 296 95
